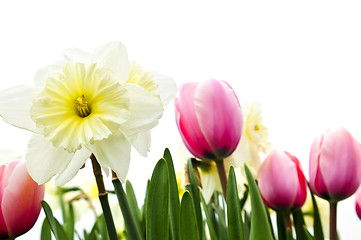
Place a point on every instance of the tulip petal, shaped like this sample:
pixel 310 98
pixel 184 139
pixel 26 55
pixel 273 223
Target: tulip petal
pixel 113 152
pixel 141 142
pixel 15 104
pixel 220 117
pixel 76 55
pixel 43 160
pixel 21 215
pixel 113 56
pixel 167 88
pixel 188 124
pixel 145 110
pixel 73 167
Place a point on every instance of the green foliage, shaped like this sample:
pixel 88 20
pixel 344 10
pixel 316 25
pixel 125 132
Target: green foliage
pixel 188 221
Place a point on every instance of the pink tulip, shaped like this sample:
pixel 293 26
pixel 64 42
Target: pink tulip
pixel 209 119
pixel 281 182
pixel 335 165
pixel 20 199
pixel 358 202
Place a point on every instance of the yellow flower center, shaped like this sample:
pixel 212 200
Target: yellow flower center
pixel 82 106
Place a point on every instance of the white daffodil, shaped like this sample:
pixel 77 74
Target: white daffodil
pixel 82 106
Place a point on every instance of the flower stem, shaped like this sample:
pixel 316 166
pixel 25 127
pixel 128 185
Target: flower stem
pixel 222 176
pixel 333 220
pixel 288 222
pixel 103 197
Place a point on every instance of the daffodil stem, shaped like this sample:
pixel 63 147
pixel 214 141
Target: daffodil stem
pixel 222 176
pixel 133 230
pixel 333 220
pixel 103 197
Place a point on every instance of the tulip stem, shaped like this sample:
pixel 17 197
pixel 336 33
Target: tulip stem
pixel 103 197
pixel 288 222
pixel 333 220
pixel 222 176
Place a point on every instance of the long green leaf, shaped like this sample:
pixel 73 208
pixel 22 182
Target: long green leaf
pixel 157 219
pixel 70 221
pixel 317 225
pixel 45 231
pixel 308 234
pixel 188 223
pixel 128 215
pixel 133 204
pixel 55 226
pixel 260 228
pixel 194 191
pixel 174 206
pixel 212 232
pixel 235 222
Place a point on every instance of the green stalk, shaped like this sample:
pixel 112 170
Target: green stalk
pixel 222 176
pixel 103 197
pixel 333 220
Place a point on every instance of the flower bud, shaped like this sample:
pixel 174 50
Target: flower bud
pixel 20 199
pixel 281 181
pixel 335 165
pixel 209 119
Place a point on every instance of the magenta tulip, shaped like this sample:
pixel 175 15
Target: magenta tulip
pixel 209 119
pixel 20 199
pixel 335 165
pixel 281 182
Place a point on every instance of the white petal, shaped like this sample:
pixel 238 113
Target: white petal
pixel 145 110
pixel 141 142
pixel 43 160
pixel 167 88
pixel 44 73
pixel 8 155
pixel 113 152
pixel 73 167
pixel 76 55
pixel 114 56
pixel 15 104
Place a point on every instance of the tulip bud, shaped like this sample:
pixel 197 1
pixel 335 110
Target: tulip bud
pixel 335 165
pixel 282 183
pixel 20 199
pixel 209 119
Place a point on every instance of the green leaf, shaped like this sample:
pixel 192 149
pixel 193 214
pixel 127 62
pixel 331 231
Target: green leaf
pixel 299 224
pixel 157 219
pixel 188 222
pixel 212 232
pixel 69 222
pixel 289 234
pixel 235 222
pixel 174 206
pixel 55 226
pixel 260 228
pixel 247 225
pixel 222 227
pixel 129 216
pixel 317 225
pixel 45 231
pixel 133 204
pixel 102 228
pixel 308 234
pixel 194 191
pixel 281 227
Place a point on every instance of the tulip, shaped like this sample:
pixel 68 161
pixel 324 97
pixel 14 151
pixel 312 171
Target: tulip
pixel 282 183
pixel 335 165
pixel 358 202
pixel 209 119
pixel 20 199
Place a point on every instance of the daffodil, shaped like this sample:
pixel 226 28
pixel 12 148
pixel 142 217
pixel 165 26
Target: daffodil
pixel 86 104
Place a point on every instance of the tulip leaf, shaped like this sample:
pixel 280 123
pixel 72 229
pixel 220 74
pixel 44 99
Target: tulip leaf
pixel 128 215
pixel 174 206
pixel 45 230
pixel 289 234
pixel 299 224
pixel 260 228
pixel 194 191
pixel 157 219
pixel 55 226
pixel 188 223
pixel 308 234
pixel 222 227
pixel 317 225
pixel 212 232
pixel 133 204
pixel 235 222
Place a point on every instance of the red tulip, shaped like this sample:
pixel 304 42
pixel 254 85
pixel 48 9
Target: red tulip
pixel 281 181
pixel 20 199
pixel 209 119
pixel 335 165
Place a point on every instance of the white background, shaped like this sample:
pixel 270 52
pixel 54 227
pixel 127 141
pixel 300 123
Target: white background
pixel 299 60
